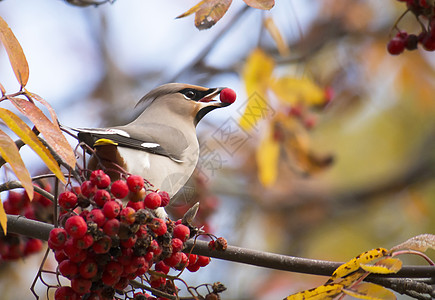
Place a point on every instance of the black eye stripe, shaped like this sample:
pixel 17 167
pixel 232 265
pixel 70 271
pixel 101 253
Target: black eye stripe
pixel 195 95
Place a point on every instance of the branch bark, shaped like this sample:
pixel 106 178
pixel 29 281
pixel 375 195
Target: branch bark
pixel 40 230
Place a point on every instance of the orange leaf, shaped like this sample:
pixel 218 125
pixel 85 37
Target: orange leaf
pixel 29 137
pixel 3 218
pixel 276 36
pixel 192 10
pixel 10 153
pixel 210 13
pixel 260 4
pixel 15 53
pixel 47 105
pixel 267 159
pixel 51 132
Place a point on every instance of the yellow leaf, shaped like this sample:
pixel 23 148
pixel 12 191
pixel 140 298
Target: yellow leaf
pixel 292 90
pixel 327 291
pixel 10 153
pixel 51 132
pixel 257 76
pixel 191 10
pixel 210 13
pixel 29 137
pixel 260 4
pixel 281 44
pixel 387 265
pixel 354 264
pixel 15 53
pixel 370 291
pixel 267 159
pixel 3 218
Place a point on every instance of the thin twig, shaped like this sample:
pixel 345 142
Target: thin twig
pixel 10 185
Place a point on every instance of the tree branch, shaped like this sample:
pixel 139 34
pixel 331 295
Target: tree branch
pixel 40 230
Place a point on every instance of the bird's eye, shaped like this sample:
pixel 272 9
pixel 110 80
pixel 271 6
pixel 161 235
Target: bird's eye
pixel 190 94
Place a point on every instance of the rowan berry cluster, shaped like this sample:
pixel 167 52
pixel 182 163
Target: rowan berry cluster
pixel 424 12
pixel 107 244
pixel 14 246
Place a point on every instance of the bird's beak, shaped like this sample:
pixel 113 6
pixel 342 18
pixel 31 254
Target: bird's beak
pixel 213 93
pixel 207 104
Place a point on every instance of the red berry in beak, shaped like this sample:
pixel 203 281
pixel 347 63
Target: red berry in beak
pixel 228 95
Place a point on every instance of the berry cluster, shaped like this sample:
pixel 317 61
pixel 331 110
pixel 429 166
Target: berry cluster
pixel 103 247
pixel 424 12
pixel 13 246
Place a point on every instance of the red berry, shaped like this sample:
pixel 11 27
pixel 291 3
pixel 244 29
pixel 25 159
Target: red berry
pixel 88 189
pixel 65 293
pixel 183 262
pixel 111 227
pixel 173 260
pixel 136 205
pixel 100 179
pixel 68 268
pixel 57 237
pixel 114 268
pixel 60 256
pixel 165 198
pixel 158 226
pixel 67 200
pixel 182 232
pixel 76 226
pixel 97 216
pixel 109 279
pixel 101 197
pixel 81 285
pixel 157 281
pixel 130 242
pixel 153 200
pixel 192 259
pixel 102 245
pixel 203 260
pixel 193 268
pixel 396 46
pixel 88 269
pixel 74 254
pixel 177 245
pixel 135 183
pixel 139 262
pixel 122 283
pixel 119 189
pixel 162 267
pixel 111 209
pixel 84 242
pixel 228 95
pixel 128 215
pixel 32 246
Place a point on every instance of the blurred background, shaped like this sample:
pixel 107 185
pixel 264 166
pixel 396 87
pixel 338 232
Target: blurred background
pixel 323 177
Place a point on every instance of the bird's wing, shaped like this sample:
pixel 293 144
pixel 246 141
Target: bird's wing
pixel 152 138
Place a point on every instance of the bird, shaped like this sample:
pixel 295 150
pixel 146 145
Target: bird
pixel 161 144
